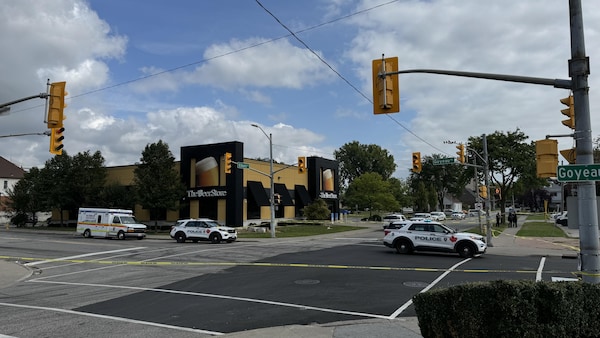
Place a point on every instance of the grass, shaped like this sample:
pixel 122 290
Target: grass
pixel 298 231
pixel 540 229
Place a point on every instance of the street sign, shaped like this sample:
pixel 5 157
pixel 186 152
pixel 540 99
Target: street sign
pixel 442 161
pixel 578 172
pixel 242 165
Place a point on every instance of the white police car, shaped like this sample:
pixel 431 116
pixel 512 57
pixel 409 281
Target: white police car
pixel 433 237
pixel 202 229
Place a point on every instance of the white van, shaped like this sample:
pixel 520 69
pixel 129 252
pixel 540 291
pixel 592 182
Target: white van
pixel 99 222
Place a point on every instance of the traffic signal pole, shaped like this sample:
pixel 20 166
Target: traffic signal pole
pixel 589 245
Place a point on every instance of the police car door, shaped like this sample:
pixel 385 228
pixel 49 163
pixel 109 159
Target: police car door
pixel 419 233
pixel 441 235
pixel 194 229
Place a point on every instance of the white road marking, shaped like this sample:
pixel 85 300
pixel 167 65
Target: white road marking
pixel 432 284
pixel 538 275
pixel 83 255
pixel 127 320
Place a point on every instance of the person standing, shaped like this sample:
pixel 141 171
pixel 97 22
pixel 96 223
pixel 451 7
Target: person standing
pixel 498 219
pixel 510 219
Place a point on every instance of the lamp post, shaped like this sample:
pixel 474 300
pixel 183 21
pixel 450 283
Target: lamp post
pixel 272 192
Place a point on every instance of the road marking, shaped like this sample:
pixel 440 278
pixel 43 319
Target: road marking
pixel 121 319
pixel 538 275
pixel 208 295
pixel 80 256
pixel 432 284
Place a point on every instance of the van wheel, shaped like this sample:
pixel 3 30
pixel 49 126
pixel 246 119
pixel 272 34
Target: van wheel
pixel 215 238
pixel 87 233
pixel 180 237
pixel 121 235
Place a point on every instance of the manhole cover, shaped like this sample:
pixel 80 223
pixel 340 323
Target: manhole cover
pixel 415 284
pixel 307 281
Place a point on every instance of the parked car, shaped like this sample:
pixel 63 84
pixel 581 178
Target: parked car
pixel 438 216
pixel 387 219
pixel 562 219
pixel 458 215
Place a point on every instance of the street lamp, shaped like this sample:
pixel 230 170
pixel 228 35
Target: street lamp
pixel 272 193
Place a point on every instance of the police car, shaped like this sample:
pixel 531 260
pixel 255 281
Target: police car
pixel 433 236
pixel 202 229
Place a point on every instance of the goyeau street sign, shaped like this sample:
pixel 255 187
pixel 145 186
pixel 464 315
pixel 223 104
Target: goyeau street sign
pixel 578 172
pixel 442 161
pixel 243 165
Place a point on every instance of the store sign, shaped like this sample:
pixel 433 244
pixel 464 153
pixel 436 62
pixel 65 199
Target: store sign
pixel 328 195
pixel 206 193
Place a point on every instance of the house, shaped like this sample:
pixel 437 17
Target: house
pixel 10 174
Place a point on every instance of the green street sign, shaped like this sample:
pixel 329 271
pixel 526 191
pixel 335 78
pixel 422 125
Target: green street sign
pixel 442 161
pixel 242 165
pixel 578 172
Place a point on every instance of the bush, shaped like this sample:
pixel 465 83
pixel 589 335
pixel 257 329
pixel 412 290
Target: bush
pixel 317 210
pixel 510 309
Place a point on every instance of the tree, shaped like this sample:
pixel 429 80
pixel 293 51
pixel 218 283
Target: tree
pixel 24 197
pixel 157 183
pixel 370 191
pixel 356 159
pixel 401 192
pixel 440 179
pixel 510 159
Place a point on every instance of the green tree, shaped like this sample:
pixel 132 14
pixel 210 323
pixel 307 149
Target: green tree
pixel 317 210
pixel 421 200
pixel 510 159
pixel 25 196
pixel 371 191
pixel 401 192
pixel 356 159
pixel 440 179
pixel 115 195
pixel 157 184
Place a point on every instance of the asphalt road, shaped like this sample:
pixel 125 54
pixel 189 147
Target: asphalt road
pixel 152 288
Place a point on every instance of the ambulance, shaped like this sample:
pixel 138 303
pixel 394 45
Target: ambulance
pixel 117 223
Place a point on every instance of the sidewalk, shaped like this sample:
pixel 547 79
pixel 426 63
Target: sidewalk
pixel 506 243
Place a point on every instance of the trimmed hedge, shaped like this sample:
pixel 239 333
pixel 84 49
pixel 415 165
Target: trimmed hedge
pixel 510 309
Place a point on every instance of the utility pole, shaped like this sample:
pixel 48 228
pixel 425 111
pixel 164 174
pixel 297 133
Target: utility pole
pixel 586 192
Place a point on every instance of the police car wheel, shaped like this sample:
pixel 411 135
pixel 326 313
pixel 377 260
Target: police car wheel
pixel 215 238
pixel 180 237
pixel 466 250
pixel 403 246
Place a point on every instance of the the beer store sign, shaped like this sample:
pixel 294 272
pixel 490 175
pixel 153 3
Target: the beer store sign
pixel 578 172
pixel 204 193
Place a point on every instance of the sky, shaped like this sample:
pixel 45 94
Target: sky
pixel 191 72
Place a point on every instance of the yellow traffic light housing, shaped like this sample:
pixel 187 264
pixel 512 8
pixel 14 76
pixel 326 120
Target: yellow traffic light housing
pixel 461 153
pixel 56 105
pixel 301 164
pixel 56 138
pixel 386 88
pixel 569 112
pixel 483 191
pixel 546 158
pixel 416 162
pixel 228 163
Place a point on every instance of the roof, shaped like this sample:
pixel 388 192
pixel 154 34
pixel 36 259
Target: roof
pixel 9 170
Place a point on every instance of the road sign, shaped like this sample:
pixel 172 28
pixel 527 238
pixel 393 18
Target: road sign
pixel 578 172
pixel 442 161
pixel 243 165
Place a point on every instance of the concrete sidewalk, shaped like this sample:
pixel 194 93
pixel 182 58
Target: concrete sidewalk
pixel 506 243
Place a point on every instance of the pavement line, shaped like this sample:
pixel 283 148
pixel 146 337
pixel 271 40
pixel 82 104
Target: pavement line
pixel 538 275
pixel 121 319
pixel 432 284
pixel 83 255
pixel 208 295
pixel 267 264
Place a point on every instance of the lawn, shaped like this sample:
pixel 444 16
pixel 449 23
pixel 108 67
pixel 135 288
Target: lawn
pixel 540 229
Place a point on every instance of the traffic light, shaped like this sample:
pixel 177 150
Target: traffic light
pixel 546 157
pixel 386 90
pixel 56 138
pixel 569 112
pixel 277 198
pixel 228 163
pixel 416 162
pixel 570 155
pixel 483 191
pixel 301 164
pixel 56 104
pixel 461 153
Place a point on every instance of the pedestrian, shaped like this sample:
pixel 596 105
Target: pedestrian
pixel 510 219
pixel 515 219
pixel 498 219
